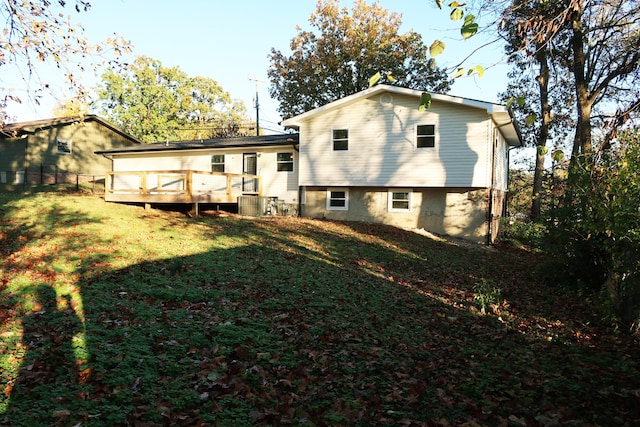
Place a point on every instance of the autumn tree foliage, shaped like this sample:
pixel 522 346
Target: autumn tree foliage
pixel 158 103
pixel 344 52
pixel 41 33
pixel 593 46
pixel 599 40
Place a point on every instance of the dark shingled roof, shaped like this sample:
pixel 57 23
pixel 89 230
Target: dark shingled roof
pixel 234 142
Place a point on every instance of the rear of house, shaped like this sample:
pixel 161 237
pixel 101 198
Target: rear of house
pixel 209 171
pixel 376 157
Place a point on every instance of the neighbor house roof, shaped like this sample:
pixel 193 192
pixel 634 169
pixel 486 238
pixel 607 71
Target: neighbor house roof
pixel 234 142
pixel 16 130
pixel 500 114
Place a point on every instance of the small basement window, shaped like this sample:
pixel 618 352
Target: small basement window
pixel 64 146
pixel 285 162
pixel 217 163
pixel 340 139
pixel 399 200
pixel 426 136
pixel 337 199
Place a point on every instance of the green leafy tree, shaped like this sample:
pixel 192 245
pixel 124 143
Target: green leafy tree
pixel 41 33
pixel 345 52
pixel 543 92
pixel 71 107
pixel 597 235
pixel 157 103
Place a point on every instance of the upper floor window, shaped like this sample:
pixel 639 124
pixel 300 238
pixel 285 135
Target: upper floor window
pixel 217 163
pixel 64 146
pixel 340 139
pixel 426 136
pixel 285 162
pixel 337 199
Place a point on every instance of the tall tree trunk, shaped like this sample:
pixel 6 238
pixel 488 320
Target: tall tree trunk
pixel 582 143
pixel 545 111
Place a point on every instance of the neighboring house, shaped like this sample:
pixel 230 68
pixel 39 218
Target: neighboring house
pixel 372 156
pixel 375 157
pixel 273 158
pixel 58 149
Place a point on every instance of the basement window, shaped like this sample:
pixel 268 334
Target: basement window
pixel 337 199
pixel 64 146
pixel 399 200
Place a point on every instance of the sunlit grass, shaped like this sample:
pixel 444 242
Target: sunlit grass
pixel 236 321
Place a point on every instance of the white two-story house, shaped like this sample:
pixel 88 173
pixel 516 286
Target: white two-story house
pixel 375 156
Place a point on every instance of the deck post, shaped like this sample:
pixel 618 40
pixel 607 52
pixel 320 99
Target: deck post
pixel 189 183
pixel 144 183
pixel 107 184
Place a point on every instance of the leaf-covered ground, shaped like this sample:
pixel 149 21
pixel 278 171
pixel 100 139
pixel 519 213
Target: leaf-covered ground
pixel 112 315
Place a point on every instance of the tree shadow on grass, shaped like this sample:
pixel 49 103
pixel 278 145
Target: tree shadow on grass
pixel 43 356
pixel 313 324
pixel 50 375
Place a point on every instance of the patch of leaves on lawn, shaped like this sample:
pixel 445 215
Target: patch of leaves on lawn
pixel 156 319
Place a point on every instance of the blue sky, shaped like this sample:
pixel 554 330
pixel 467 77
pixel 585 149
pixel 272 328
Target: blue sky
pixel 229 41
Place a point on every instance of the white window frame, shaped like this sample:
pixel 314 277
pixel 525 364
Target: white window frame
pixel 333 139
pixel 223 163
pixel 284 162
pixel 391 199
pixel 330 198
pixel 64 143
pixel 435 132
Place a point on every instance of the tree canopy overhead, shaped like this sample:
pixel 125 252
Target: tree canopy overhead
pixel 344 52
pixel 156 103
pixel 41 32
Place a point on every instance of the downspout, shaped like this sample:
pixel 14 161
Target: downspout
pixel 297 148
pixel 491 188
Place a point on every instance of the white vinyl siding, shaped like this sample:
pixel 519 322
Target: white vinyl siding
pixel 274 184
pixel 500 162
pixel 382 150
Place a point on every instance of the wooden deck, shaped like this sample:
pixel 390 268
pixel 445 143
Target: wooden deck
pixel 179 186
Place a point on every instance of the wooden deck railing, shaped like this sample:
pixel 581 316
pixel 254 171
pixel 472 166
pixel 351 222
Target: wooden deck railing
pixel 179 186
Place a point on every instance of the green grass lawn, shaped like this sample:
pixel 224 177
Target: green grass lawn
pixel 113 315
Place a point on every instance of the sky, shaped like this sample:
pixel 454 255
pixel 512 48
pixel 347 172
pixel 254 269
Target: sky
pixel 230 42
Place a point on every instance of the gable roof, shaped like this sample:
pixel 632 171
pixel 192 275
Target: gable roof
pixel 19 129
pixel 501 115
pixel 234 142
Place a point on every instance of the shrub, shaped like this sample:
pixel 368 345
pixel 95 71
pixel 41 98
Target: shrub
pixel 487 295
pixel 596 233
pixel 524 232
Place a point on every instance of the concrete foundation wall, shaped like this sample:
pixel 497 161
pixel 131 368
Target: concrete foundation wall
pixel 456 212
